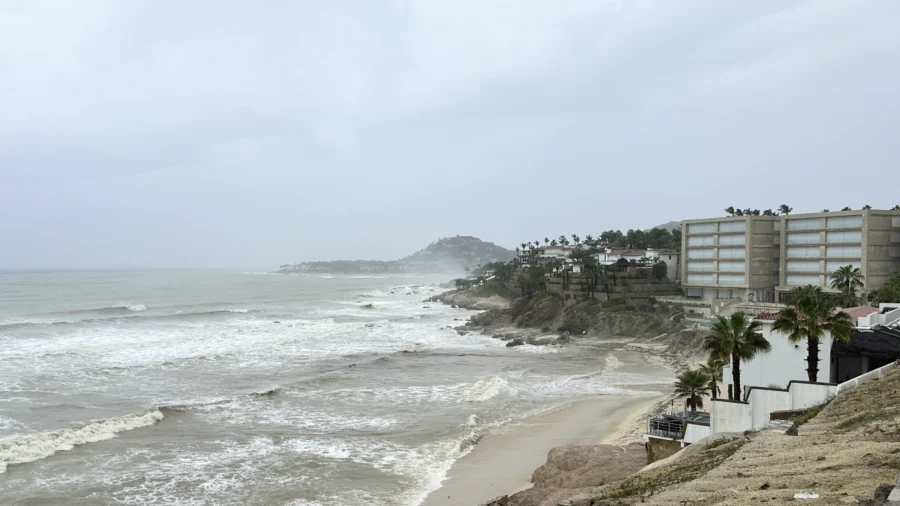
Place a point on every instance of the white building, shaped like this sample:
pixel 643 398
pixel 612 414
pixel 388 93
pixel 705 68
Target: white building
pixel 671 259
pixel 786 362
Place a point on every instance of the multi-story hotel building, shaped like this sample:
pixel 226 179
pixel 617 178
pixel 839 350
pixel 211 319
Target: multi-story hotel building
pixel 815 245
pixel 760 258
pixel 730 258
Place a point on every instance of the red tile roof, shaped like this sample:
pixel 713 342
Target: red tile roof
pixel 855 313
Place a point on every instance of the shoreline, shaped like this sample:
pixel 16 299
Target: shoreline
pixel 503 464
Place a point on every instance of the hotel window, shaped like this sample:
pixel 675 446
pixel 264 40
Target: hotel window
pixel 705 240
pixel 804 238
pixel 895 236
pixel 700 279
pixel 895 251
pixel 700 253
pixel 701 228
pixel 732 226
pixel 895 221
pixel 732 240
pixel 850 236
pixel 845 222
pixel 802 280
pixel 843 252
pixel 732 253
pixel 834 265
pixel 812 252
pixel 732 266
pixel 804 224
pixel 700 266
pixel 801 266
pixel 731 279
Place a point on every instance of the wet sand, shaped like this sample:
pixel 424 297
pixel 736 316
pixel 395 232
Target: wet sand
pixel 503 464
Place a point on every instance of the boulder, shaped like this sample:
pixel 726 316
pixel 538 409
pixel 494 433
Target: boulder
pixel 515 342
pixel 574 469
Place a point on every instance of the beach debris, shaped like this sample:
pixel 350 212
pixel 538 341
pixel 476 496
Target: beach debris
pixel 806 495
pixel 765 486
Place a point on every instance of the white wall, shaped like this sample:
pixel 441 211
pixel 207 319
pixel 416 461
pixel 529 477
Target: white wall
pixel 764 402
pixel 784 363
pixel 729 416
pixel 695 432
pixel 807 395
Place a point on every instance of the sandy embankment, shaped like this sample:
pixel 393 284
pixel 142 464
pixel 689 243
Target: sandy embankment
pixel 504 463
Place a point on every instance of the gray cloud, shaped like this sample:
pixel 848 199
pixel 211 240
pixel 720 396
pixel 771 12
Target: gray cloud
pixel 244 134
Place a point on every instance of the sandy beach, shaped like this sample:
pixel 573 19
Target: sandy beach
pixel 503 463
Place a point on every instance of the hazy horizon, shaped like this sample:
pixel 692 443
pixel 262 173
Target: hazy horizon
pixel 200 134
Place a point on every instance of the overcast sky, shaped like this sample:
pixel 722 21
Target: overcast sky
pixel 237 133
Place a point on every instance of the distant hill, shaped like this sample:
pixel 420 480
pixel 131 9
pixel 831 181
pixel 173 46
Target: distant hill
pixel 672 225
pixel 450 254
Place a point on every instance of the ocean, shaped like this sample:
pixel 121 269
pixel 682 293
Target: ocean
pixel 244 388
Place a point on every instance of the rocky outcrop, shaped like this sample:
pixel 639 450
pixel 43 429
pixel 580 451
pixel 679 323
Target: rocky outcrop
pixel 466 300
pixel 498 501
pixel 573 469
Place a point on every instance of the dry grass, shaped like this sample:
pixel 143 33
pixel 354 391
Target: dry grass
pixel 844 452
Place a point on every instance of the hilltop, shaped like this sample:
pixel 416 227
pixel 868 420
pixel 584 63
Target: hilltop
pixel 447 255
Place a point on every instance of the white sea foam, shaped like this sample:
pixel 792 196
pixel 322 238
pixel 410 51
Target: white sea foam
pixel 31 447
pixel 486 389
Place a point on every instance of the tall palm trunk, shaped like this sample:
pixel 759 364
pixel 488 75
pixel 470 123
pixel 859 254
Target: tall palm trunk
pixel 812 359
pixel 736 375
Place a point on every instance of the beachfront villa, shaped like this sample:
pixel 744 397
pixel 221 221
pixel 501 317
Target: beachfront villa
pixel 777 381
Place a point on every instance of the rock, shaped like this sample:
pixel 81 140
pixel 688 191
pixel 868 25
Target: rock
pixel 426 307
pixel 765 486
pixel 574 469
pixel 276 321
pixel 515 342
pixel 497 501
pixel 368 306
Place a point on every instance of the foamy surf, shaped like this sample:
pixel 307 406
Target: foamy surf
pixel 32 447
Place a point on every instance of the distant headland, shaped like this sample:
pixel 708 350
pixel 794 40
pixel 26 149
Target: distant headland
pixel 447 255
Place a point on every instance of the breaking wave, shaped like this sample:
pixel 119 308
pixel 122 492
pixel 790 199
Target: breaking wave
pixel 32 447
pixel 124 309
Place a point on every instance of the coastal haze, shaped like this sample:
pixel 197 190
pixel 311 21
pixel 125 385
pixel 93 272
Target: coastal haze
pixel 217 387
pixel 224 226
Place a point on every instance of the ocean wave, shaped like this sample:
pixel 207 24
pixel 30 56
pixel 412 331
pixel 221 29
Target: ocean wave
pixel 32 447
pixel 123 309
pixel 485 389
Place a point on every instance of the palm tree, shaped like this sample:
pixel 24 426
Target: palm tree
pixel 848 280
pixel 867 207
pixel 713 370
pixel 826 211
pixel 810 316
pixel 738 212
pixel 546 240
pixel 737 338
pixel 691 384
pixel 846 209
pixel 769 212
pixel 524 246
pixel 589 240
pixel 563 240
pixel 896 208
pixel 553 242
pixel 785 209
pixel 729 210
pixel 576 239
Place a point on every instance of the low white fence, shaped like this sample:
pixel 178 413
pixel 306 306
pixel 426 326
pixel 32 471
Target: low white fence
pixel 754 414
pixel 869 376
